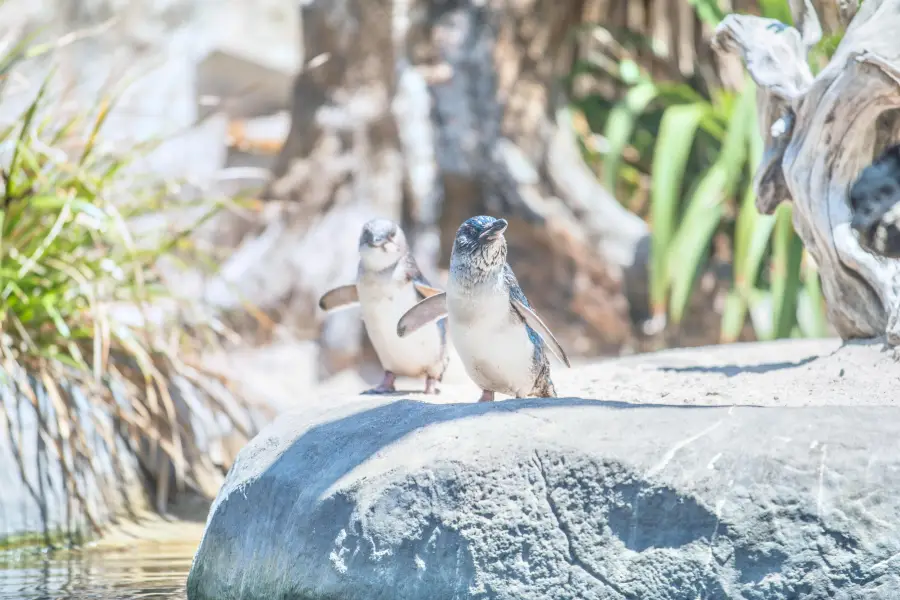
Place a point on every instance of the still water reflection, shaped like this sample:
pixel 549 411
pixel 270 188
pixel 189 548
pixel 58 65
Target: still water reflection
pixel 149 572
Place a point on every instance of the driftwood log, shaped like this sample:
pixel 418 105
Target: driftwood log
pixel 431 112
pixel 820 132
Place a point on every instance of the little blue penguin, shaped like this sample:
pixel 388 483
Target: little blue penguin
pixel 499 337
pixel 388 284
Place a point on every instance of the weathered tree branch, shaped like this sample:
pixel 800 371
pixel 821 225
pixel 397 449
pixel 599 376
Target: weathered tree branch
pixel 775 55
pixel 807 22
pixel 820 132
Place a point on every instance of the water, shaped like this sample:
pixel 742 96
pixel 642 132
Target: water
pixel 144 572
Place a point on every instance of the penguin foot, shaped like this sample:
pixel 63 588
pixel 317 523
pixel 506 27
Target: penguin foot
pixel 386 386
pixel 431 386
pixel 486 396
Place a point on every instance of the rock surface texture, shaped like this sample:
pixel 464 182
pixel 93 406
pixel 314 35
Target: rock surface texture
pixel 628 495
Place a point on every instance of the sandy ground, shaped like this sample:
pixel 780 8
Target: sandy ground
pixel 824 372
pixel 785 373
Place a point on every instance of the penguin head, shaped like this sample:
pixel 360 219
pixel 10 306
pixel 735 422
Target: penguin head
pixel 381 244
pixel 480 242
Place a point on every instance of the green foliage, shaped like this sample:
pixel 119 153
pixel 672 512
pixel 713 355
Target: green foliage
pixel 68 256
pixel 685 218
pixel 676 134
pixel 65 246
pixel 704 152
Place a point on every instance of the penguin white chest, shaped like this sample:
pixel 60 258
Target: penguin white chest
pixel 382 304
pixel 492 343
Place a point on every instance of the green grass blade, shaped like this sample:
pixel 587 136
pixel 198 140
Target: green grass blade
pixel 77 205
pixel 753 232
pixel 58 321
pixel 688 249
pixel 734 315
pixel 776 9
pixel 816 323
pixel 27 118
pixel 102 115
pixel 670 155
pixel 705 211
pixel 620 126
pixel 756 251
pixel 760 303
pixel 745 224
pixel 787 251
pixel 735 312
pixel 742 143
pixel 753 236
pixel 19 52
pixel 678 93
pixel 734 153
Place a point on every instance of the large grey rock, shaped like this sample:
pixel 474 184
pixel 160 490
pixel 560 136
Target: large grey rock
pixel 357 497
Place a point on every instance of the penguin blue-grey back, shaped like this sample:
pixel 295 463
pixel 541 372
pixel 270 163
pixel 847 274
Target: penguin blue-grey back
pixel 389 283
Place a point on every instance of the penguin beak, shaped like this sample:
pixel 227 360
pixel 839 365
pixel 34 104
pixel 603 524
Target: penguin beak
pixel 494 230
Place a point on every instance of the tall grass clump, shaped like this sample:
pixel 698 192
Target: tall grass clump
pixel 68 259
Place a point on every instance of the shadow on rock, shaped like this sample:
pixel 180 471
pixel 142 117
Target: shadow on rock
pixel 733 370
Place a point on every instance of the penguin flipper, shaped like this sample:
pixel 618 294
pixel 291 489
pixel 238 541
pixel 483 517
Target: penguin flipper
pixel 425 290
pixel 344 296
pixel 532 320
pixel 429 310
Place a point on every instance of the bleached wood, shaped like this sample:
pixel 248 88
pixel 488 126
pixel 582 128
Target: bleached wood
pixel 820 132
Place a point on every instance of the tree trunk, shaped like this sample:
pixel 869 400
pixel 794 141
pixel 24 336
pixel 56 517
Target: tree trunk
pixel 432 112
pixel 340 165
pixel 820 132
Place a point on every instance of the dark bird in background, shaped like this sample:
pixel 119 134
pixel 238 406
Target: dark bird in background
pixel 875 202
